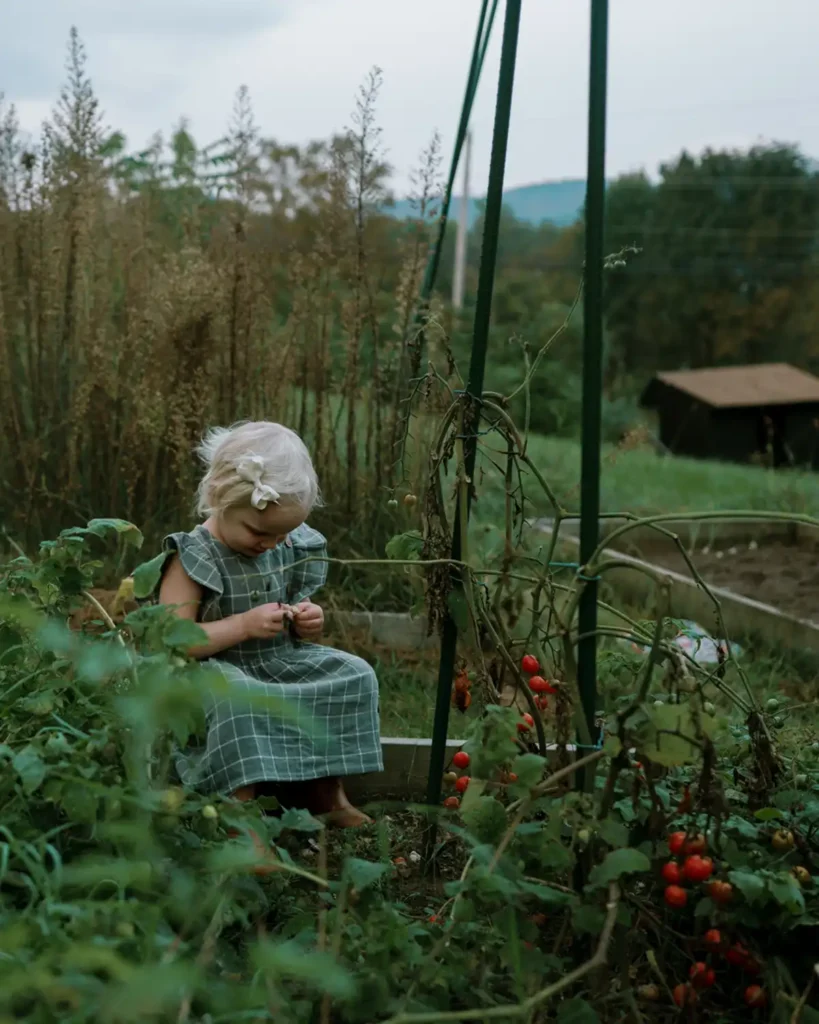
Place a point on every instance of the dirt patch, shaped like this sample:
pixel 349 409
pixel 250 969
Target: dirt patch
pixel 783 575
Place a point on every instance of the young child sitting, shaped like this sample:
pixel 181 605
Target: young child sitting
pixel 242 576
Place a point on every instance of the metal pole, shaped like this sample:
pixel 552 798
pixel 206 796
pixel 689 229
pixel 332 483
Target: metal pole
pixel 477 366
pixel 475 67
pixel 459 275
pixel 592 358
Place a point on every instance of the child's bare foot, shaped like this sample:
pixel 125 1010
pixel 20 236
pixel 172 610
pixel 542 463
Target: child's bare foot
pixel 245 793
pixel 348 817
pixel 334 805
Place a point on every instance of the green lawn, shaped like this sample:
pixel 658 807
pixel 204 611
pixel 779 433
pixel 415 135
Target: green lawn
pixel 643 482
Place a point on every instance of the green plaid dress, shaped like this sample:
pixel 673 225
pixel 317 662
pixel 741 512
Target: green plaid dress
pixel 331 698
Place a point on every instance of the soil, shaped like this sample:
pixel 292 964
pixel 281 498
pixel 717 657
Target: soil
pixel 774 572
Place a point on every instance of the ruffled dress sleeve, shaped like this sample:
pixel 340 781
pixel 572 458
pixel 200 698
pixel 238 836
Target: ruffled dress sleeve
pixel 307 577
pixel 196 558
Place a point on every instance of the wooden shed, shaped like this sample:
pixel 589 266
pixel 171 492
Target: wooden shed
pixel 739 413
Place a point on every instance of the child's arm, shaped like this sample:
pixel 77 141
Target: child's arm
pixel 185 594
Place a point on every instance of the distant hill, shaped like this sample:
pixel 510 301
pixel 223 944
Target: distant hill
pixel 560 202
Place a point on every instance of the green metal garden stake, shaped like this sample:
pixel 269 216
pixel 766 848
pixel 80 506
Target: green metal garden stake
pixel 480 338
pixel 592 362
pixel 475 67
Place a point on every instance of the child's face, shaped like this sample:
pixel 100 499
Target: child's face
pixel 252 532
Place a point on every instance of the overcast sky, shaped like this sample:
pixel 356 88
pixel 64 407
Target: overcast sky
pixel 683 73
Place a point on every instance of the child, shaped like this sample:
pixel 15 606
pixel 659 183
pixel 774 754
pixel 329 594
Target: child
pixel 238 575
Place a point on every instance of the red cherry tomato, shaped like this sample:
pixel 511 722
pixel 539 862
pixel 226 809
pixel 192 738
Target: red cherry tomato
pixel 537 684
pixel 721 892
pixel 696 844
pixel 684 995
pixel 713 937
pixel 755 996
pixel 671 873
pixel 526 724
pixel 676 841
pixel 701 975
pixel 697 869
pixel 675 896
pixel 738 956
pixel 461 759
pixel 462 783
pixel 452 802
pixel 529 664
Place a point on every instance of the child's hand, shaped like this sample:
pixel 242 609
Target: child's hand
pixel 265 621
pixel 308 618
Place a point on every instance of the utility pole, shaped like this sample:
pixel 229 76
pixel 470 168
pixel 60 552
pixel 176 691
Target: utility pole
pixel 459 274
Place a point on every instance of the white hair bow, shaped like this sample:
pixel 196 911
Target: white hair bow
pixel 251 468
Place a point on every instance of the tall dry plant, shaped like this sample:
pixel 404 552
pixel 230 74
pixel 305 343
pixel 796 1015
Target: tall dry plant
pixel 144 297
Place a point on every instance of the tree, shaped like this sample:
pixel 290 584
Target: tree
pixel 727 246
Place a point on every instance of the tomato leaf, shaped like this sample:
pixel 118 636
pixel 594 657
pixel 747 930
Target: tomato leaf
pixel 588 919
pixel 576 1011
pixel 625 861
pixel 316 969
pixel 30 767
pixel 485 819
pixel 361 874
pixel 300 821
pixel 767 814
pixel 672 734
pixel 405 547
pixel 529 769
pixel 787 892
pixel 614 832
pixel 752 886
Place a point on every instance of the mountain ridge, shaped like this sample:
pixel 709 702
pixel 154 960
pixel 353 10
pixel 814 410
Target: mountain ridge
pixel 557 202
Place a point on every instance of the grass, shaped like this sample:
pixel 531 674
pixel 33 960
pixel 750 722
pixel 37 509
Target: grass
pixel 638 480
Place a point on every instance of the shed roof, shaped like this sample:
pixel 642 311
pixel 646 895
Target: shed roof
pixel 726 387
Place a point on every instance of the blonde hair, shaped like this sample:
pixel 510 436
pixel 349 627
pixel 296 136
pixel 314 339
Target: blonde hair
pixel 284 469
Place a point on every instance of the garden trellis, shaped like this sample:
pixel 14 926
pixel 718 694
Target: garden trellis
pixel 592 342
